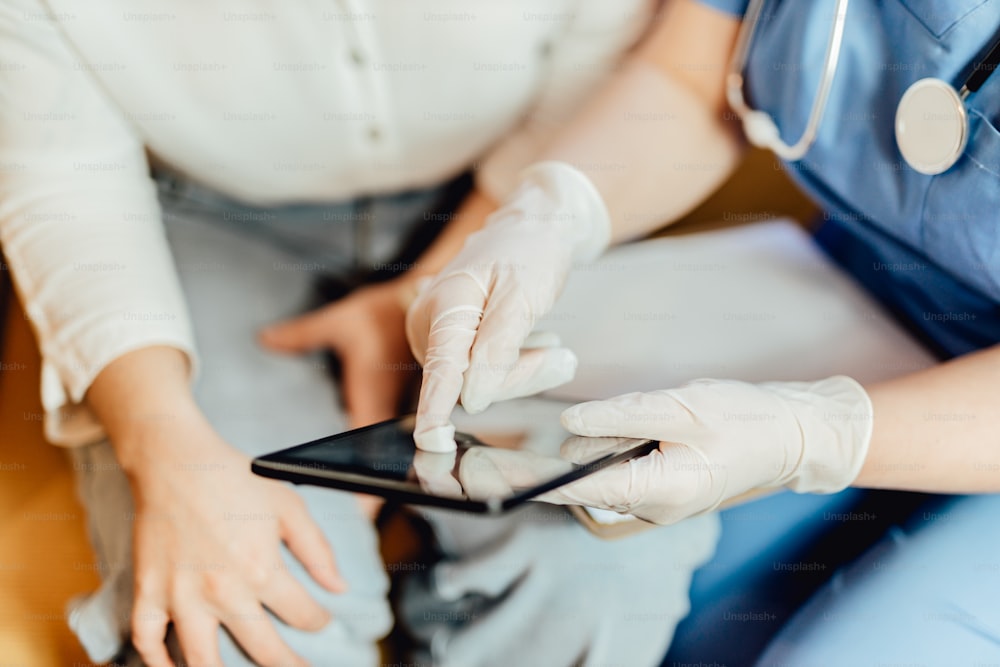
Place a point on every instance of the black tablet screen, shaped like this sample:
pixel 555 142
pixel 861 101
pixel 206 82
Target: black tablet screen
pixel 489 469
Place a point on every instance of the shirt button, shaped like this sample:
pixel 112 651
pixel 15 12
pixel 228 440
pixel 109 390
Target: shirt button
pixel 357 57
pixel 545 49
pixel 374 133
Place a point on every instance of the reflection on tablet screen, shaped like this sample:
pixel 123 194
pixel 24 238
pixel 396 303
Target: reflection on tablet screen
pixel 484 466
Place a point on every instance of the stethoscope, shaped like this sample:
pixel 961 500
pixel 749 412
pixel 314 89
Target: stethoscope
pixel 932 124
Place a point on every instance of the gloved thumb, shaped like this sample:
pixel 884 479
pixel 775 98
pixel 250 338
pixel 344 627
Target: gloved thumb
pixel 609 488
pixel 537 369
pixel 663 487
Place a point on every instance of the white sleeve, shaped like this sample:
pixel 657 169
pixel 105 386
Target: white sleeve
pixel 79 220
pixel 580 60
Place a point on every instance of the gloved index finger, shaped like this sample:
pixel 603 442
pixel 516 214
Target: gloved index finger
pixel 455 305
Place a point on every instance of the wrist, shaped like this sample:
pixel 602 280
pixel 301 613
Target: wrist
pixel 559 196
pixel 153 438
pixel 143 398
pixel 834 418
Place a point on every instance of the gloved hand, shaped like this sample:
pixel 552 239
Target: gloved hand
pixel 470 326
pixel 718 440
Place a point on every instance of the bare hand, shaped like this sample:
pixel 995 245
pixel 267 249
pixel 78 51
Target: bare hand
pixel 207 553
pixel 366 331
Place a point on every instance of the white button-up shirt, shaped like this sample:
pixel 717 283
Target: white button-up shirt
pixel 267 101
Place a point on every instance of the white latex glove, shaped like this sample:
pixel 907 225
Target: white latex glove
pixel 718 440
pixel 470 326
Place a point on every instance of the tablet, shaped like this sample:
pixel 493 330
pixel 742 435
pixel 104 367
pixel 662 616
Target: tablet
pixel 493 470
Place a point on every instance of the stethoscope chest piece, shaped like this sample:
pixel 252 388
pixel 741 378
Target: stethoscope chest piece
pixel 932 126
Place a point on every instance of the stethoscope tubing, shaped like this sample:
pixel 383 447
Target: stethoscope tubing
pixel 926 148
pixel 735 82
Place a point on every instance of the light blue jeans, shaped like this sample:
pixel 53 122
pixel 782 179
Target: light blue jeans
pixel 534 588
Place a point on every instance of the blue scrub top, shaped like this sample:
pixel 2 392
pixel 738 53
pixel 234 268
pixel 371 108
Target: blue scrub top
pixel 927 246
